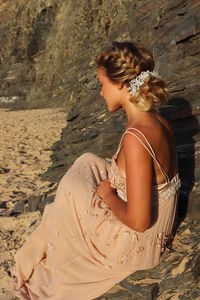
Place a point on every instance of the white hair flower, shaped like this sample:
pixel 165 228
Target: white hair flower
pixel 136 83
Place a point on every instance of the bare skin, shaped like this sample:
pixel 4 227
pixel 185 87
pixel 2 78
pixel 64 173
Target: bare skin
pixel 134 161
pixel 161 138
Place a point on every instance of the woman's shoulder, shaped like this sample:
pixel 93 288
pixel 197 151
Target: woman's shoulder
pixel 154 131
pixel 144 136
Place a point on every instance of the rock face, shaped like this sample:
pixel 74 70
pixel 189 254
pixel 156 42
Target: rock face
pixel 48 49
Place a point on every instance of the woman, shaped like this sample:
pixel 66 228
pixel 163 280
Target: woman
pixel 109 219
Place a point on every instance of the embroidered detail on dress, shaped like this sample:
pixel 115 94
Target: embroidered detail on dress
pixel 120 261
pixel 50 246
pixel 102 172
pixel 164 242
pixel 107 267
pixel 139 250
pixel 73 237
pixel 170 190
pixel 90 180
pixel 135 237
pixel 127 233
pixel 93 189
pixel 131 247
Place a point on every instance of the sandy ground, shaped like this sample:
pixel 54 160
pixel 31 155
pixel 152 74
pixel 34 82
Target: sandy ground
pixel 26 137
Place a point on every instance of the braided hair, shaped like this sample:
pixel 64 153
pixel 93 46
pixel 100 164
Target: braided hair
pixel 124 62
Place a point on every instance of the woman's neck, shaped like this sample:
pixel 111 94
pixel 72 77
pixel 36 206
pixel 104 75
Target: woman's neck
pixel 135 116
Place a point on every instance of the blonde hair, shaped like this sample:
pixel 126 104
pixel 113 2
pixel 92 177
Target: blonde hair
pixel 124 62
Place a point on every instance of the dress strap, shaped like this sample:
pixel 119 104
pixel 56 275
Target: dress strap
pixel 120 145
pixel 149 149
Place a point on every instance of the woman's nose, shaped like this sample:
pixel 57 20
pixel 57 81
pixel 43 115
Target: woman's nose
pixel 101 94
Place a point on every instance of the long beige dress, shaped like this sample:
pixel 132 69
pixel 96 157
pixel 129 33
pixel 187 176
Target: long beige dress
pixel 80 249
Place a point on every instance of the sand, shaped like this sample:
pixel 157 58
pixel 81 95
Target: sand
pixel 26 138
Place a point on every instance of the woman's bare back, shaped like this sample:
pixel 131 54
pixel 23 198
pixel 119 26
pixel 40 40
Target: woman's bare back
pixel 160 135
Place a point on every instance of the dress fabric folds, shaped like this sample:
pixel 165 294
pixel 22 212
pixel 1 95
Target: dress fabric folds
pixel 80 249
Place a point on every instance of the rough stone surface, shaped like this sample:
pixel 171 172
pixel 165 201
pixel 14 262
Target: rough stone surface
pixel 47 58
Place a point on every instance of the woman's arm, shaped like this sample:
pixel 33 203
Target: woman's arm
pixel 136 212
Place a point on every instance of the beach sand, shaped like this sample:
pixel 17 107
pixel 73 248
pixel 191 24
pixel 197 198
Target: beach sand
pixel 26 138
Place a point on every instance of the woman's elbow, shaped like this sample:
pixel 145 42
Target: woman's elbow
pixel 139 227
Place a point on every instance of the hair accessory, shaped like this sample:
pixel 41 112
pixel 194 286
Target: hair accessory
pixel 135 84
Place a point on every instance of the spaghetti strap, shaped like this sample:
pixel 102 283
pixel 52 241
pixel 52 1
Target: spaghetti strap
pixel 120 144
pixel 152 151
pixel 149 149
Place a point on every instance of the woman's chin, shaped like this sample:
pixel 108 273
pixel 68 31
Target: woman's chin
pixel 113 109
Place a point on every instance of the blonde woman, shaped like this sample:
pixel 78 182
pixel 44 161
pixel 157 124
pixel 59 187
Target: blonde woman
pixel 109 219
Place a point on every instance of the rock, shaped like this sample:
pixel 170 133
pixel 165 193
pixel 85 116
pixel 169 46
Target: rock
pixel 4 170
pixel 3 205
pixel 33 203
pixel 45 201
pixel 72 115
pixel 19 206
pixel 146 292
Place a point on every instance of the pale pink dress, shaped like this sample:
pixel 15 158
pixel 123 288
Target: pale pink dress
pixel 80 249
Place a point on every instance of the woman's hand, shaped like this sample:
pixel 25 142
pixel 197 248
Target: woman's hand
pixel 104 191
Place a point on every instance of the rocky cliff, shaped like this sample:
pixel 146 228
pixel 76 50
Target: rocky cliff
pixel 47 58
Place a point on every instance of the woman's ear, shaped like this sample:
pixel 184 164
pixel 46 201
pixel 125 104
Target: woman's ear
pixel 121 85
